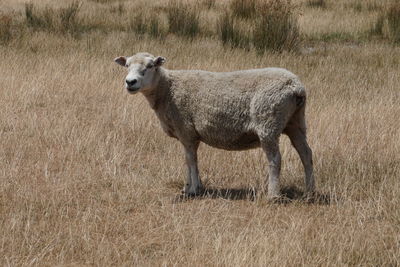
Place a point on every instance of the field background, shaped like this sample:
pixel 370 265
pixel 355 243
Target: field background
pixel 87 177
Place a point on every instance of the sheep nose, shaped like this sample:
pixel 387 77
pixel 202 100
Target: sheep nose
pixel 131 82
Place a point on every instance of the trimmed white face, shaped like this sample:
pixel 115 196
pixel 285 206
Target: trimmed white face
pixel 142 71
pixel 139 76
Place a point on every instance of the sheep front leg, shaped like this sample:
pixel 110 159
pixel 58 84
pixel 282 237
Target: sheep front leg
pixel 193 184
pixel 274 160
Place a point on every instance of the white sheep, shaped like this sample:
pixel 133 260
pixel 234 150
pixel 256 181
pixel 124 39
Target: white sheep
pixel 228 110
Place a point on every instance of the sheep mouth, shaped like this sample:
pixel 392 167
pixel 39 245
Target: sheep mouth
pixel 132 90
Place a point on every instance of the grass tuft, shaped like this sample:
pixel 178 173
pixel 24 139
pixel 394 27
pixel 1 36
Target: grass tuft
pixel 277 28
pixel 393 17
pixel 155 28
pixel 183 19
pixel 138 24
pixel 316 3
pixel 144 24
pixel 243 8
pixel 230 32
pixel 388 23
pixel 64 20
pixel 274 26
pixel 377 28
pixel 208 4
pixel 39 19
pixel 5 29
pixel 119 9
pixel 68 18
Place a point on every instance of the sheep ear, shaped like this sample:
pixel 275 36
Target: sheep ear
pixel 121 61
pixel 158 61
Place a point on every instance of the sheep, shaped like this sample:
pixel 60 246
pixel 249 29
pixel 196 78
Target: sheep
pixel 228 110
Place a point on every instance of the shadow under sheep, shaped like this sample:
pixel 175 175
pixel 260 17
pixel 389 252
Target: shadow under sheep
pixel 289 194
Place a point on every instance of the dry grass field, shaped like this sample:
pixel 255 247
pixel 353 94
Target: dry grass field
pixel 87 177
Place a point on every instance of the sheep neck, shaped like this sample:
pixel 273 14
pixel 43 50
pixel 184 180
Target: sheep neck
pixel 155 94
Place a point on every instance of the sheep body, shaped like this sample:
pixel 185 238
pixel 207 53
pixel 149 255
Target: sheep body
pixel 228 110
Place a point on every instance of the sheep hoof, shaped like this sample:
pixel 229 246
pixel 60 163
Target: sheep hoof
pixel 199 191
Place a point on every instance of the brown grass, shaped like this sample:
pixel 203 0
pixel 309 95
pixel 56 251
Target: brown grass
pixel 5 29
pixel 393 17
pixel 183 19
pixel 87 177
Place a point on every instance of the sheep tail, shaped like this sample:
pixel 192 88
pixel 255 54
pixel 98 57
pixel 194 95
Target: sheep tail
pixel 300 93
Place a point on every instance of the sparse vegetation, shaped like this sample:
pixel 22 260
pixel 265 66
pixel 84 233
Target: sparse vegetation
pixel 138 24
pixel 335 37
pixel 183 19
pixel 388 23
pixel 366 5
pixel 105 1
pixel 208 3
pixel 377 28
pixel 68 18
pixel 357 7
pixel 316 3
pixel 244 8
pixel 393 17
pixel 151 25
pixel 230 32
pixel 39 20
pixel 276 29
pixel 156 28
pixel 255 24
pixel 5 29
pixel 63 20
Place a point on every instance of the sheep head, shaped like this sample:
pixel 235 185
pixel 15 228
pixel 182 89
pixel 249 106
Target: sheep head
pixel 142 71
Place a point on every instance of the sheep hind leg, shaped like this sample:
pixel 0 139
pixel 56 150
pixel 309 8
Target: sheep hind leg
pixel 298 139
pixel 273 154
pixel 193 185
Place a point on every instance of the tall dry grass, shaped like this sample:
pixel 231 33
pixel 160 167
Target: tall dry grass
pixel 277 28
pixel 393 17
pixel 264 26
pixel 63 20
pixel 87 177
pixel 183 19
pixel 5 29
pixel 388 23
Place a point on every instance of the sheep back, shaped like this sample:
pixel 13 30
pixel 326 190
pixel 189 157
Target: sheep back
pixel 230 110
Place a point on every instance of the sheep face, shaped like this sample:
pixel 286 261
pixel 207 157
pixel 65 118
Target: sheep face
pixel 142 71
